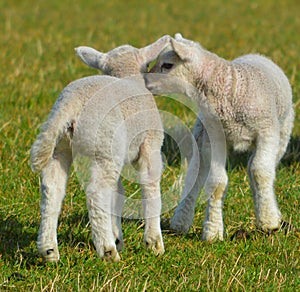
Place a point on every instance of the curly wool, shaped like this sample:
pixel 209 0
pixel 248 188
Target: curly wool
pixel 245 103
pixel 111 121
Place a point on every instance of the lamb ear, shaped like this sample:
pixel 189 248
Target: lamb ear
pixel 91 57
pixel 152 51
pixel 182 50
pixel 178 36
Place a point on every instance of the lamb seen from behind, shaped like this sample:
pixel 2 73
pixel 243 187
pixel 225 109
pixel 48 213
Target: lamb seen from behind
pixel 111 121
pixel 245 104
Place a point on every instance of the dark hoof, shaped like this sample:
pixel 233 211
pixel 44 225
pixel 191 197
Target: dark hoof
pixel 108 254
pixel 111 255
pixel 49 251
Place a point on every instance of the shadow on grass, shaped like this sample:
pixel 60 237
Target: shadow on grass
pixel 14 240
pixel 291 155
pixel 171 152
pixel 74 229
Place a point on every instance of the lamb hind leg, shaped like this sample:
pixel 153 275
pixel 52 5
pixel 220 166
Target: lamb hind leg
pixel 150 166
pixel 261 169
pixel 117 206
pixel 53 187
pixel 102 187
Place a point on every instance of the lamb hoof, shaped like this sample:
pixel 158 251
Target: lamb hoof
pixel 157 246
pixel 50 255
pixel 182 220
pixel 178 226
pixel 270 228
pixel 111 255
pixel 269 222
pixel 213 235
pixel 284 226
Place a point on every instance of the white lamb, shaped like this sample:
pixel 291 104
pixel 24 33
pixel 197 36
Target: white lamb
pixel 248 102
pixel 111 121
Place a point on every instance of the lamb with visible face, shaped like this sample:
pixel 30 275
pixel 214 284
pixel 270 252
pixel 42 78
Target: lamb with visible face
pixel 111 121
pixel 245 103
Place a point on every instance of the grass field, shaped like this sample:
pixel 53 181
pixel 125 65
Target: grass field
pixel 37 60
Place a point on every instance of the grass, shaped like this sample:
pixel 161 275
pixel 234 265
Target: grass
pixel 37 60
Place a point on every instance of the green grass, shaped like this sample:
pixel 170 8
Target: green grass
pixel 37 60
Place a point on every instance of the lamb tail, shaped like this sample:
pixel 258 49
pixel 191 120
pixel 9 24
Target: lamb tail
pixel 43 148
pixel 42 151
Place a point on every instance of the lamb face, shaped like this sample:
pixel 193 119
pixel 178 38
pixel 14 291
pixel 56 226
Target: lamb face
pixel 180 59
pixel 122 61
pixel 178 69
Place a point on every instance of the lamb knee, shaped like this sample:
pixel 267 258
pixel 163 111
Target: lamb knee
pixel 261 178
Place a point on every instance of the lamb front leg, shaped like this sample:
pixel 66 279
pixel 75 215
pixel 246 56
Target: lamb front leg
pixel 194 181
pixel 102 187
pixel 150 166
pixel 216 182
pixel 216 185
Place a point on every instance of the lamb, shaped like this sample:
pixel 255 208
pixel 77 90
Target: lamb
pixel 111 121
pixel 245 104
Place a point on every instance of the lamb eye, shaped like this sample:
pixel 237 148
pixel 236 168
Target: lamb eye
pixel 167 66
